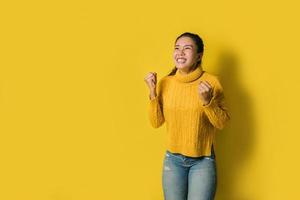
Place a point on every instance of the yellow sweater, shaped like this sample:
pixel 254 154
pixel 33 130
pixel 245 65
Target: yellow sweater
pixel 191 127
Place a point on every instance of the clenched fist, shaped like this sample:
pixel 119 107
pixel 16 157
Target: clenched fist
pixel 205 92
pixel 151 80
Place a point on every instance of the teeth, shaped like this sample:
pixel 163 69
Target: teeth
pixel 181 60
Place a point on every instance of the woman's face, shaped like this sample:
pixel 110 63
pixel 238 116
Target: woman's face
pixel 185 54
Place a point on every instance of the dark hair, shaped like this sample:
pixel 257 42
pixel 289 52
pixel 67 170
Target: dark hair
pixel 199 43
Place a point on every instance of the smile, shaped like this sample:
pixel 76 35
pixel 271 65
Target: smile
pixel 181 60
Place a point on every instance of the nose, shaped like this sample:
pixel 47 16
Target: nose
pixel 181 52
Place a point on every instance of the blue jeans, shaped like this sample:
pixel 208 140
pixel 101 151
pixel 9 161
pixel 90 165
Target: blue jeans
pixel 189 178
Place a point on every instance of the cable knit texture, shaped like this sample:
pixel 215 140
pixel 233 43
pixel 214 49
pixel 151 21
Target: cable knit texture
pixel 191 126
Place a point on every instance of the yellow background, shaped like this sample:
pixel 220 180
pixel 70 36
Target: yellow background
pixel 73 102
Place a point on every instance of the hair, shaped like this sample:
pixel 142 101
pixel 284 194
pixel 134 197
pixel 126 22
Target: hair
pixel 199 43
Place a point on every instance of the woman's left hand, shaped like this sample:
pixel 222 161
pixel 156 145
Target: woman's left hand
pixel 205 92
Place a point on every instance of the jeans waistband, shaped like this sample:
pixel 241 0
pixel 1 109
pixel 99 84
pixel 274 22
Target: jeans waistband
pixel 212 153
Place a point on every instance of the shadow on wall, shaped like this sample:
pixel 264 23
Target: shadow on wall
pixel 234 143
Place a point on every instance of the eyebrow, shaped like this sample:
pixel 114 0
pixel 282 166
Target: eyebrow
pixel 184 45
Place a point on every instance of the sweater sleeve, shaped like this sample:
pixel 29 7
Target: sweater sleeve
pixel 156 115
pixel 216 110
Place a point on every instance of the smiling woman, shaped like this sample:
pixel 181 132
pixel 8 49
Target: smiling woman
pixel 185 54
pixel 191 102
pixel 188 52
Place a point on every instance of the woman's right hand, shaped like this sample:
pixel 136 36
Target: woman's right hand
pixel 151 81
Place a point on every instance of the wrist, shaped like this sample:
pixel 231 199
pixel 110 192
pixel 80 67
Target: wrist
pixel 152 95
pixel 153 91
pixel 205 103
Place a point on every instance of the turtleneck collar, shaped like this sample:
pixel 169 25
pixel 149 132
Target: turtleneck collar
pixel 190 76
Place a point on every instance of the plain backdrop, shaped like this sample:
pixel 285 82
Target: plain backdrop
pixel 74 105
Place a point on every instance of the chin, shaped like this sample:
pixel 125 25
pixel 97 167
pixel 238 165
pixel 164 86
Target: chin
pixel 182 66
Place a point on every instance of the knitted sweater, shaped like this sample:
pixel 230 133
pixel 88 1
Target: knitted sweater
pixel 191 126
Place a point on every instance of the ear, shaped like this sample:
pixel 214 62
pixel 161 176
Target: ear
pixel 200 55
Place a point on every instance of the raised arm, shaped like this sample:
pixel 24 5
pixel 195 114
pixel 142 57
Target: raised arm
pixel 216 110
pixel 156 115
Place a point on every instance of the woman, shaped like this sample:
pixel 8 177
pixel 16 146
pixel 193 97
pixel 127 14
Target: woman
pixel 191 102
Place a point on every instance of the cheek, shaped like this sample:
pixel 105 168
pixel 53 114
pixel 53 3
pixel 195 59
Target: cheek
pixel 189 56
pixel 174 56
pixel 193 56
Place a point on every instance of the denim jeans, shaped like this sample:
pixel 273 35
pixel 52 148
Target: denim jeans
pixel 189 178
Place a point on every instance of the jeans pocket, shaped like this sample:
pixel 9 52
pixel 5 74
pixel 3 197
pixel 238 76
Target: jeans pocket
pixel 167 155
pixel 210 158
pixel 170 155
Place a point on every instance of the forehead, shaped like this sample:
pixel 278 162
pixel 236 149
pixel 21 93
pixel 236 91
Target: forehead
pixel 185 41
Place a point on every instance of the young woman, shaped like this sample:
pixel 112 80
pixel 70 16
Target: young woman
pixel 191 102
